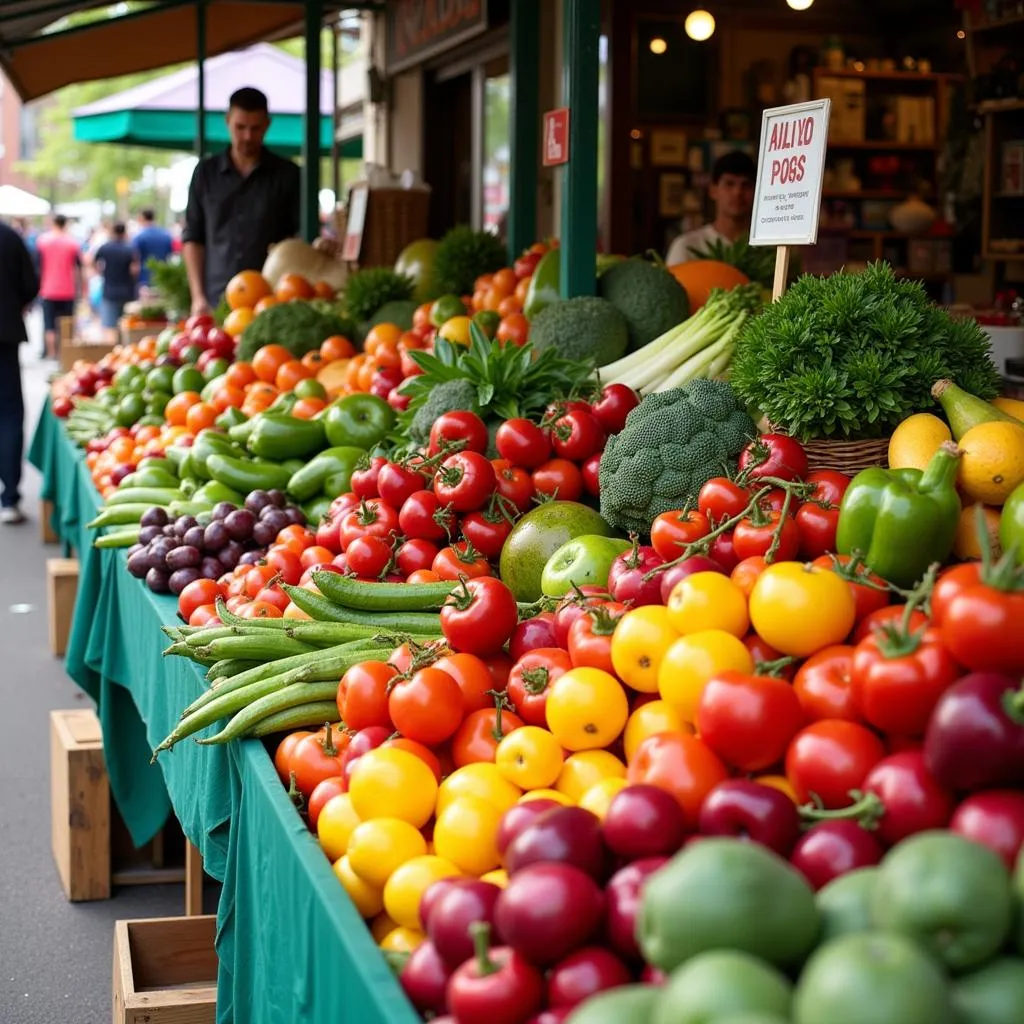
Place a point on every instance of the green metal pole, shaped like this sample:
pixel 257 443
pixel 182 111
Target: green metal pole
pixel 581 31
pixel 201 78
pixel 524 116
pixel 311 124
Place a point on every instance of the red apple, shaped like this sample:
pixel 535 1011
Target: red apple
pixel 516 818
pixel 643 821
pixel 567 835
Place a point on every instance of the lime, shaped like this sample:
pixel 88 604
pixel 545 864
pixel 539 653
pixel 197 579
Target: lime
pixel 456 330
pixel 129 378
pixel 163 345
pixel 156 402
pixel 487 320
pixel 310 387
pixel 216 368
pixel 160 378
pixel 188 378
pixel 445 308
pixel 130 409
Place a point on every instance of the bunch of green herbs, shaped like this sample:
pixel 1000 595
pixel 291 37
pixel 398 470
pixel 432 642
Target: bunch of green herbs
pixel 848 357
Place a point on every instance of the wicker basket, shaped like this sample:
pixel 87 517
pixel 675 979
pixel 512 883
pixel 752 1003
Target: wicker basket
pixel 848 457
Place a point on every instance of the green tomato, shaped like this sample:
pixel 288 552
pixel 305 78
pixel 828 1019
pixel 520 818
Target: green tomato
pixel 359 421
pixel 310 388
pixel 445 308
pixel 188 378
pixel 1011 524
pixel 582 561
pixel 160 378
pixel 130 409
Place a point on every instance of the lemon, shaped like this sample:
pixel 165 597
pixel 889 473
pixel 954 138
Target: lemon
pixel 456 330
pixel 916 440
pixel 1011 406
pixel 993 461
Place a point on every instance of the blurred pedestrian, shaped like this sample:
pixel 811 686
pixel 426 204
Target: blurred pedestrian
pixel 118 265
pixel 18 287
pixel 60 273
pixel 151 241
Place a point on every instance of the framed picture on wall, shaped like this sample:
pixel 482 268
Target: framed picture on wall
pixel 671 195
pixel 668 148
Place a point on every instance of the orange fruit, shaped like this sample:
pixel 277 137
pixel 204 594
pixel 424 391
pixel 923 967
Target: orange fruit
pixel 504 281
pixel 290 373
pixel 176 411
pixel 240 374
pixel 238 319
pixel 313 360
pixel 508 306
pixel 324 290
pixel 521 289
pixel 337 347
pixel 230 396
pixel 246 289
pixel 293 286
pixel 265 303
pixel 268 360
pixel 200 416
pixel 382 334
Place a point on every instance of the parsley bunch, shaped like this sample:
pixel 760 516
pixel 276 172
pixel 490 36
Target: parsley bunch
pixel 848 357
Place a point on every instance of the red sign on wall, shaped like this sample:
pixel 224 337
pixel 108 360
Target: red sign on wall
pixel 556 137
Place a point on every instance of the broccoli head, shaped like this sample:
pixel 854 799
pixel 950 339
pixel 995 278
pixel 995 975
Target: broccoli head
pixel 673 442
pixel 648 296
pixel 300 327
pixel 445 397
pixel 584 329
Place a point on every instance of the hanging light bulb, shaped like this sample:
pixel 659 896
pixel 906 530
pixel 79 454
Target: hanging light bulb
pixel 700 25
pixel 799 5
pixel 658 45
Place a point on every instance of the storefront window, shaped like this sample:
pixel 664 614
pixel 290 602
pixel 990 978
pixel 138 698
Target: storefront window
pixel 496 151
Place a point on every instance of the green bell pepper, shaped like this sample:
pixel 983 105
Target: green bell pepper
pixel 284 403
pixel 230 417
pixel 1011 525
pixel 207 443
pixel 312 477
pixel 240 433
pixel 545 284
pixel 278 436
pixel 245 476
pixel 902 520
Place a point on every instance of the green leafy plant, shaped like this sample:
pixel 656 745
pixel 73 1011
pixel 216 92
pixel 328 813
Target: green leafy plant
pixel 461 257
pixel 757 262
pixel 367 290
pixel 847 357
pixel 171 281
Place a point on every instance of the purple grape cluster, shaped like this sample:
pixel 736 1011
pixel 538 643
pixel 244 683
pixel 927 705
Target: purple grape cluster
pixel 171 554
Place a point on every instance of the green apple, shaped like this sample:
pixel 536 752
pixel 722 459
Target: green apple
pixel 359 420
pixel 581 561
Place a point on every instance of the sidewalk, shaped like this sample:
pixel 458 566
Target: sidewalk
pixel 55 955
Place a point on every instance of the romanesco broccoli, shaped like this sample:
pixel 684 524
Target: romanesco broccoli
pixel 673 442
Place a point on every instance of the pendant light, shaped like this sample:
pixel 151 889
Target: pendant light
pixel 799 5
pixel 700 25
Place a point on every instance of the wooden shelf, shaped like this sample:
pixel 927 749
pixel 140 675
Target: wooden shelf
pixel 884 76
pixel 1000 106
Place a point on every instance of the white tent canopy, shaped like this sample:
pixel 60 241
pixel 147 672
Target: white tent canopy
pixel 16 202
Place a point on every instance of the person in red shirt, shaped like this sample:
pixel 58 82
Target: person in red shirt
pixel 60 274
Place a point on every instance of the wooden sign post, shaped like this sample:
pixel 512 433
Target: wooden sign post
pixel 790 174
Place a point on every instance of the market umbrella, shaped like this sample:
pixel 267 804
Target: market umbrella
pixel 161 114
pixel 16 202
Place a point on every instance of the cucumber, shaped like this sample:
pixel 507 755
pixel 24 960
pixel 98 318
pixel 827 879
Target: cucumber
pixel 137 495
pixel 118 515
pixel 121 539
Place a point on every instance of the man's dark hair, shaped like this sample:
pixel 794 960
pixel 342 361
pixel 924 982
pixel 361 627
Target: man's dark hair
pixel 147 215
pixel 737 162
pixel 251 100
pixel 119 229
pixel 59 220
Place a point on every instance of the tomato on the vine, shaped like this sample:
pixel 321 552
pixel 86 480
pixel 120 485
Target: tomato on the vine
pixel 721 498
pixel 869 590
pixel 754 535
pixel 530 679
pixel 373 518
pixel 617 401
pixel 723 551
pixel 560 479
pixel 890 615
pixel 522 443
pixel 396 482
pixel 514 484
pixel 427 706
pixel 817 527
pixel 479 616
pixel 368 556
pixel 460 559
pixel 423 515
pixel 776 455
pixel 364 478
pixel 486 531
pixel 465 481
pixel 829 485
pixel 830 759
pixel 673 531
pixel 577 435
pixel 460 427
pixel 590 636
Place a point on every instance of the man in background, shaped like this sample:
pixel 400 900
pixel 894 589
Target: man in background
pixel 118 265
pixel 240 202
pixel 18 287
pixel 60 273
pixel 151 242
pixel 732 192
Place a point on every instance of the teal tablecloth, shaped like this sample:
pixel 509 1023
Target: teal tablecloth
pixel 291 946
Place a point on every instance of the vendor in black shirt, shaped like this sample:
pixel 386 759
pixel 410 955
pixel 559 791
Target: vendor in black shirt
pixel 240 202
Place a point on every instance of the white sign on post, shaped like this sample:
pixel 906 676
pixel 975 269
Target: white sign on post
pixel 790 173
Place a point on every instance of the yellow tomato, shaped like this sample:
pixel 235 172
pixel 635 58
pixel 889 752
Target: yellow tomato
pixel 498 877
pixel 547 794
pixel 402 940
pixel 456 330
pixel 481 779
pixel 392 783
pixel 369 901
pixel 779 782
pixel 335 825
pixel 648 720
pixel 380 845
pixel 380 926
pixel 600 795
pixel 692 660
pixel 641 638
pixel 586 769
pixel 466 833
pixel 586 709
pixel 407 885
pixel 799 609
pixel 708 600
pixel 529 757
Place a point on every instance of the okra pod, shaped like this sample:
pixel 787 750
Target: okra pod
pixel 382 597
pixel 272 704
pixel 205 634
pixel 314 713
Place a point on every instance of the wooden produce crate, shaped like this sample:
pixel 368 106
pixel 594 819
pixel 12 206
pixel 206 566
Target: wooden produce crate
pixel 61 588
pixel 130 335
pixel 165 971
pixel 47 534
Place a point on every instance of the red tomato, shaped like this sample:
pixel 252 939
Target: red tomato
pixel 424 516
pixel 530 678
pixel 415 555
pixel 680 764
pixel 363 694
pixel 748 721
pixel 204 615
pixel 577 435
pixel 423 576
pixel 275 596
pixel 316 758
pixel 775 501
pixel 373 518
pixel 746 573
pixel 822 685
pixel 364 479
pixel 368 556
pixel 751 537
pixel 284 751
pixel 559 478
pixel 197 593
pixel 286 564
pixel 259 610
pixel 590 636
pixel 774 455
pixel 870 592
pixel 898 680
pixel 459 431
pixel 480 616
pixel 890 615
pixel 460 559
pixel 617 401
pixel 426 707
pixel 817 527
pixel 465 481
pixel 913 800
pixel 332 786
pixel 396 482
pixel 523 443
pixel 764 653
pixel 480 733
pixel 723 551
pixel 515 485
pixel 672 531
pixel 487 531
pixel 721 498
pixel 830 759
pixel 499 664
pixel 473 679
pixel 316 556
pixel 951 584
pixel 591 471
pixel 981 628
pixel 829 485
pixel 572 607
